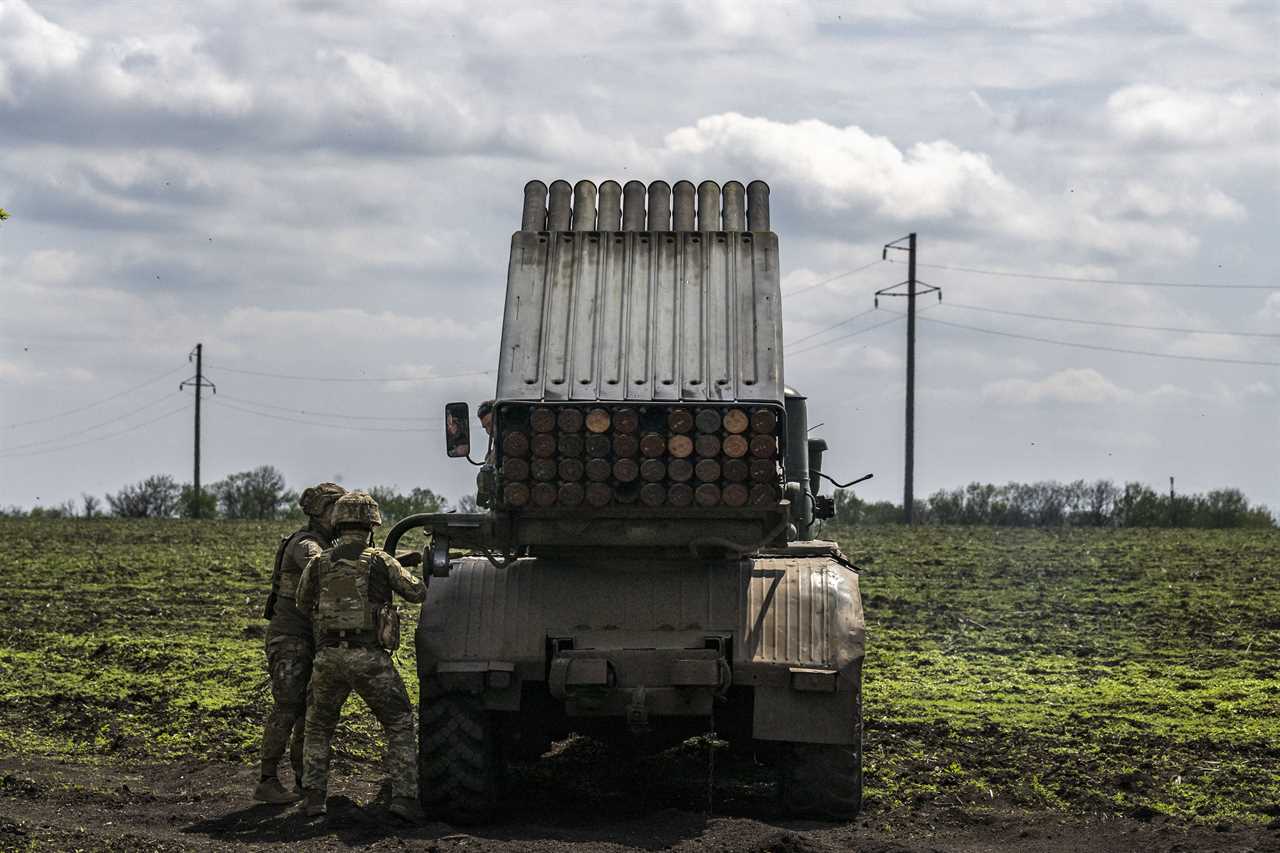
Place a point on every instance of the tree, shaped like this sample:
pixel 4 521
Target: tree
pixel 395 505
pixel 92 506
pixel 257 494
pixel 467 503
pixel 197 505
pixel 154 497
pixel 4 214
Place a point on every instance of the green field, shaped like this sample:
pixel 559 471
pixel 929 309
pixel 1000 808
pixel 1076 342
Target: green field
pixel 1116 672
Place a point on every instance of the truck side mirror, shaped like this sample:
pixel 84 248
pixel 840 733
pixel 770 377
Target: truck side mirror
pixel 457 429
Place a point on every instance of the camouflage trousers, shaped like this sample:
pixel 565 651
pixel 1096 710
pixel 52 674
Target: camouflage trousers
pixel 371 674
pixel 289 663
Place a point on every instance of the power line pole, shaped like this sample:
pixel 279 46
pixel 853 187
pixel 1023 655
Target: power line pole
pixel 198 383
pixel 909 473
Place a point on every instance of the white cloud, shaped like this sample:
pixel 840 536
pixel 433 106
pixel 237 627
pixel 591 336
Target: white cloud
pixel 32 48
pixel 1259 389
pixel 334 324
pixel 1073 386
pixel 1270 309
pixel 1144 114
pixel 843 168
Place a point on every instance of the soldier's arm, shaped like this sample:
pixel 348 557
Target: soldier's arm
pixel 402 580
pixel 304 550
pixel 308 587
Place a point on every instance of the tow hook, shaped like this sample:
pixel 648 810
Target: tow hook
pixel 638 712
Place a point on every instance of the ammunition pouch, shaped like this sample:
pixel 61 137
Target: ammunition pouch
pixel 348 640
pixel 388 627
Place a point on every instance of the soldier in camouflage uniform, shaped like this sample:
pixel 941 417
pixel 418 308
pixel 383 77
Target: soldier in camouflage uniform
pixel 485 479
pixel 290 645
pixel 348 588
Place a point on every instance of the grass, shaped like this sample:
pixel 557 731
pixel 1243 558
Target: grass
pixel 1114 672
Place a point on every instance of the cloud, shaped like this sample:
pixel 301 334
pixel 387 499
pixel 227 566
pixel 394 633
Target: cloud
pixel 33 49
pixel 825 169
pixel 844 168
pixel 1073 386
pixel 1146 114
pixel 314 326
pixel 1270 309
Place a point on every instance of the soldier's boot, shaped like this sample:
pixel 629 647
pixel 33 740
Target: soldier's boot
pixel 270 790
pixel 315 803
pixel 407 808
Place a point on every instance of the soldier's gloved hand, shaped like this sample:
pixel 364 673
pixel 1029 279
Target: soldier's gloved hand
pixel 270 609
pixel 486 484
pixel 409 558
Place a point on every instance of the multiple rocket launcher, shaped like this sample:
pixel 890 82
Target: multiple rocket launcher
pixel 635 207
pixel 656 455
pixel 698 421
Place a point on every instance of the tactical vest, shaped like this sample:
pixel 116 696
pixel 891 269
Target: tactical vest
pixel 290 573
pixel 343 603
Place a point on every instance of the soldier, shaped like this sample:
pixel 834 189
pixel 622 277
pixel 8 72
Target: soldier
pixel 349 589
pixel 290 645
pixel 485 484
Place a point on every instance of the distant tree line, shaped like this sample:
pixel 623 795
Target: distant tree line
pixel 1100 503
pixel 260 493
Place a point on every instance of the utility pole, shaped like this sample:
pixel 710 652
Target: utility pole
pixel 909 473
pixel 198 383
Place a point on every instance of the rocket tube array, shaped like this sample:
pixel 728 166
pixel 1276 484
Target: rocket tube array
pixel 655 455
pixel 635 207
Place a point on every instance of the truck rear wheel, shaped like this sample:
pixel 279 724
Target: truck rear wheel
pixel 459 761
pixel 821 780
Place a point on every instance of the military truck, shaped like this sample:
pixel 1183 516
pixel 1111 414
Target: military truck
pixel 646 567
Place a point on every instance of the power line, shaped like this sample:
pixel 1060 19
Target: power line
pixel 808 287
pixel 1104 348
pixel 97 438
pixel 65 436
pixel 832 326
pixel 1115 281
pixel 224 404
pixel 298 411
pixel 352 378
pixel 870 328
pixel 115 396
pixel 1115 325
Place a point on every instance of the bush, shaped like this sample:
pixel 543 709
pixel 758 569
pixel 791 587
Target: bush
pixel 1051 504
pixel 154 497
pixel 395 505
pixel 257 494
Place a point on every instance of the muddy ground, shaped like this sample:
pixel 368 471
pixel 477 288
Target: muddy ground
pixel 49 805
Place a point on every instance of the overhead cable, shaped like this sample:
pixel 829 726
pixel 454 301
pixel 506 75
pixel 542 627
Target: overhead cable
pixel 1115 325
pixel 115 396
pixel 350 378
pixel 1089 280
pixel 67 435
pixel 1205 358
pixel 223 404
pixel 870 328
pixel 297 411
pixel 97 438
pixel 808 287
pixel 843 322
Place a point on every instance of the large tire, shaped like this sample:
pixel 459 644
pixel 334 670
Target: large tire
pixel 822 781
pixel 459 762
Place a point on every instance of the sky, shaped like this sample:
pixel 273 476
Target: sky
pixel 325 190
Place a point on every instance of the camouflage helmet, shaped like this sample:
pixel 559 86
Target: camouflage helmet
pixel 357 508
pixel 316 499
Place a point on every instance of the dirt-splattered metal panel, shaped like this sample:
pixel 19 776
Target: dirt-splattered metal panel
pixel 642 315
